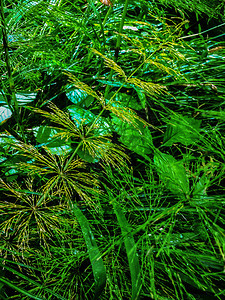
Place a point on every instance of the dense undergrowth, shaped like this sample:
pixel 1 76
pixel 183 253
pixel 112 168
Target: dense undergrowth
pixel 112 150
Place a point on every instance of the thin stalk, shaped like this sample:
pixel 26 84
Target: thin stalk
pixel 107 15
pixel 198 34
pixel 11 93
pixel 43 197
pixel 100 23
pixel 12 101
pixel 118 42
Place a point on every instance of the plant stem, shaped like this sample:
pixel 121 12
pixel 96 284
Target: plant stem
pixel 11 94
pixel 12 101
pixel 118 42
pixel 107 15
pixel 100 23
pixel 43 197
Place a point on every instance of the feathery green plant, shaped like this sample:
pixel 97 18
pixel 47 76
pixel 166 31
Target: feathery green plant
pixel 116 192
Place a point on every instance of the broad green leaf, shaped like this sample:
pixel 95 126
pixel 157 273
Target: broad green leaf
pixel 182 129
pixel 131 250
pixel 45 135
pixel 62 150
pixel 5 114
pixel 84 154
pixel 83 117
pixel 9 162
pixel 126 100
pixel 172 173
pixel 88 100
pixel 97 264
pixel 137 139
pixel 79 97
pixel 80 116
pixel 6 140
pixel 23 98
pixel 201 186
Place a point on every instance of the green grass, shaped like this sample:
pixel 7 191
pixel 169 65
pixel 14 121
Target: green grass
pixel 112 150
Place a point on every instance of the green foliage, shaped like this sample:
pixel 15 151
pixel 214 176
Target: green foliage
pixel 172 173
pixel 112 150
pixel 209 7
pixel 181 129
pixel 131 251
pixel 93 251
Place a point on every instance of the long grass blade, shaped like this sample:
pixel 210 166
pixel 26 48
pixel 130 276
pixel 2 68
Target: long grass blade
pixel 97 264
pixel 30 281
pixel 22 291
pixel 131 251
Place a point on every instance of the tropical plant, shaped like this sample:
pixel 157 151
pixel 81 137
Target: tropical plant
pixel 112 151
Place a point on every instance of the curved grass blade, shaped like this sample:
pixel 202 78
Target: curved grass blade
pixel 30 281
pixel 97 264
pixel 22 291
pixel 131 251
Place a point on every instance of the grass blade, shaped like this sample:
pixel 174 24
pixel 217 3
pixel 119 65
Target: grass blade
pixel 31 281
pixel 131 251
pixel 97 264
pixel 22 291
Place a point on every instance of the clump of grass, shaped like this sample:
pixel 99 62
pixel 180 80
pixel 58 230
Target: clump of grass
pixel 112 180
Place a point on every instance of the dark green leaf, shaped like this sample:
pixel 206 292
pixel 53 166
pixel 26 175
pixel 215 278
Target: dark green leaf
pixel 83 117
pixel 131 250
pixel 172 173
pixel 97 264
pixel 182 129
pixel 137 139
pixel 80 98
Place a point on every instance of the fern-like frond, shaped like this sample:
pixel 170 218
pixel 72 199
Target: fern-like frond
pixel 62 178
pixel 71 179
pixel 163 67
pixel 136 45
pixel 26 221
pixel 82 86
pixel 149 87
pixel 104 149
pixel 42 162
pixel 126 114
pixel 67 128
pixel 111 64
